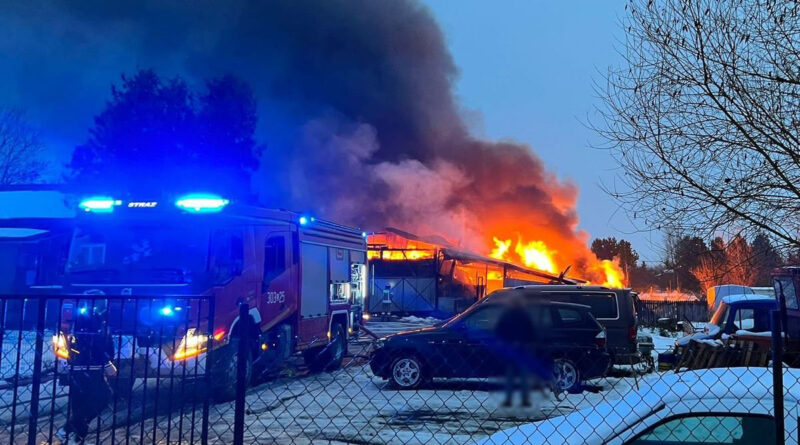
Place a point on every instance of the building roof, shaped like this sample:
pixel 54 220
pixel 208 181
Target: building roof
pixel 452 251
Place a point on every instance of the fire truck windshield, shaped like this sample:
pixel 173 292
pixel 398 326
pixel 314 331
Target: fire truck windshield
pixel 145 254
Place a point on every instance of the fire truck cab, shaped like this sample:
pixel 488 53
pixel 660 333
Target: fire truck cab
pixel 304 279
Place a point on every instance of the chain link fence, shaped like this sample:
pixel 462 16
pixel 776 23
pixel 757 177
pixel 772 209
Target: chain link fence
pixel 440 385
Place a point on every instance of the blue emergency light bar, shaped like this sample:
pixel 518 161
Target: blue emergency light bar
pixel 99 204
pixel 201 203
pixel 194 203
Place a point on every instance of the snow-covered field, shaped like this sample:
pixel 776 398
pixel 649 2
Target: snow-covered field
pixel 349 405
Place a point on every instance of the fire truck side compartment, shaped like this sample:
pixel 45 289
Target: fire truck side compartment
pixel 313 300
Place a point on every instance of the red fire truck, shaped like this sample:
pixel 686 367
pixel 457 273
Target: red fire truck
pixel 304 280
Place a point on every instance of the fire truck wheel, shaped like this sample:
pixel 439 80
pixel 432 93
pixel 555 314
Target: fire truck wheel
pixel 223 372
pixel 327 357
pixel 338 348
pixel 408 372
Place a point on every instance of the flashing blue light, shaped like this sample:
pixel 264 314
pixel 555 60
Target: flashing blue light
pixel 303 220
pixel 363 234
pixel 202 203
pixel 167 311
pixel 99 204
pixel 83 310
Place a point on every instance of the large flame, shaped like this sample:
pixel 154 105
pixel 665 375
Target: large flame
pixel 537 255
pixel 613 273
pixel 533 254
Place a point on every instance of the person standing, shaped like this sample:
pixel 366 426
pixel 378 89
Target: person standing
pixel 515 333
pixel 90 364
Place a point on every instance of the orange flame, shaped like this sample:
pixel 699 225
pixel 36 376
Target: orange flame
pixel 613 273
pixel 501 249
pixel 536 254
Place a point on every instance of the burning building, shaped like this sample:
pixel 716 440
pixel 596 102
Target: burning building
pixel 417 275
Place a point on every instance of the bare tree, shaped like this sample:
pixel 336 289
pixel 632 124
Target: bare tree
pixel 733 263
pixel 740 262
pixel 709 273
pixel 20 149
pixel 704 117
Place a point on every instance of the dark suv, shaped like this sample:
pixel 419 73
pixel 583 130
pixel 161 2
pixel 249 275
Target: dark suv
pixel 566 335
pixel 615 309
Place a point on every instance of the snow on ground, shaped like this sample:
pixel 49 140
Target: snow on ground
pixel 384 328
pixel 423 320
pixel 661 343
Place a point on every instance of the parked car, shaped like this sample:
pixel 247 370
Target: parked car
pixel 466 346
pixel 742 314
pixel 615 309
pixel 720 405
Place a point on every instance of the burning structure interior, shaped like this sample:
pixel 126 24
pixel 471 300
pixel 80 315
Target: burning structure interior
pixel 428 276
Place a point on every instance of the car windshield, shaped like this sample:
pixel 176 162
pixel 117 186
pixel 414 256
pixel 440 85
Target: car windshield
pixel 137 254
pixel 786 284
pixel 721 314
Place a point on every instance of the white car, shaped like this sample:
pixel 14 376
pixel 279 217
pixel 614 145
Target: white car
pixel 715 406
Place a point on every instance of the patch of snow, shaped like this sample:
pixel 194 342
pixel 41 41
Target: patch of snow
pixel 709 332
pixel 746 333
pixel 414 319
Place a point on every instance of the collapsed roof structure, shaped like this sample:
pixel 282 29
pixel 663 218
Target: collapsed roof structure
pixel 416 275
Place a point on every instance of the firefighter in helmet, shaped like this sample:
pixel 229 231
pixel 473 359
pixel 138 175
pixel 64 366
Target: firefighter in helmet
pixel 90 365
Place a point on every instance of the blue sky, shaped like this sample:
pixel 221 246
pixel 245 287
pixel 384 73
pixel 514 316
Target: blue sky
pixel 527 70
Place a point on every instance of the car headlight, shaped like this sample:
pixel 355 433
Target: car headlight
pixel 61 346
pixel 191 345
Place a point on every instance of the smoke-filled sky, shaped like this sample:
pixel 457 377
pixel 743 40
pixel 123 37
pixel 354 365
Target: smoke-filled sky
pixel 373 113
pixel 526 71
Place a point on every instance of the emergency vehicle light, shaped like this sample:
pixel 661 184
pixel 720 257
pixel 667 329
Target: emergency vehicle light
pixel 303 220
pixel 201 203
pixel 99 204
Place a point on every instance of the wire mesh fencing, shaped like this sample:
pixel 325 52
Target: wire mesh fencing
pixel 101 369
pixel 399 381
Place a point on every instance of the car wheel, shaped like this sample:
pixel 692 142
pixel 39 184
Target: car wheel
pixel 565 375
pixel 407 372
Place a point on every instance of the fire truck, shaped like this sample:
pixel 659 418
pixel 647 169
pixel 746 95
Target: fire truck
pixel 304 280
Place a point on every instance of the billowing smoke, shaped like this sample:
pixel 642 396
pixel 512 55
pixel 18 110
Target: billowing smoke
pixel 356 108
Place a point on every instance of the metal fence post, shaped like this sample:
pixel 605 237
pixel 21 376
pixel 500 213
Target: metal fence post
pixel 37 372
pixel 241 373
pixel 207 377
pixel 777 376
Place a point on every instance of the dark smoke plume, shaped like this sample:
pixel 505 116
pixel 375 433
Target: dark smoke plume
pixel 356 109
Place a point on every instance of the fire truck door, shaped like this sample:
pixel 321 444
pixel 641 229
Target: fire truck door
pixel 279 285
